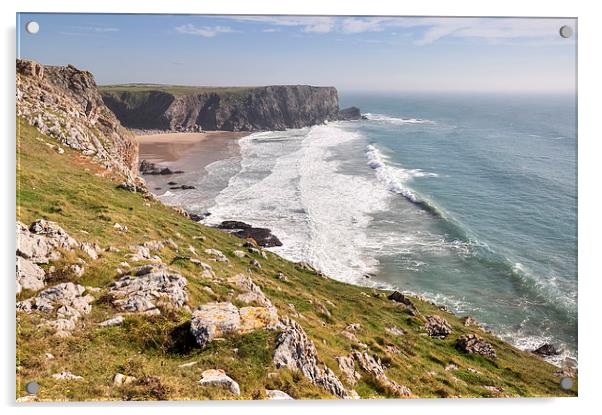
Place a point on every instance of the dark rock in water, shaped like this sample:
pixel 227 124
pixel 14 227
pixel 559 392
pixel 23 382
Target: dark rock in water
pixel 262 236
pixel 547 349
pixel 172 183
pixel 234 224
pixel 195 217
pixel 349 114
pixel 157 188
pixel 183 187
pixel 364 117
pixel 146 167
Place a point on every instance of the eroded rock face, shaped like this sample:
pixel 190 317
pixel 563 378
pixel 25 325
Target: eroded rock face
pixel 437 327
pixel 472 343
pixel 261 108
pixel 65 301
pixel 216 255
pixel 295 351
pixel 63 102
pixel 217 377
pixel 214 320
pixel 375 368
pixel 149 290
pixel 347 368
pixel 41 241
pixel 251 293
pixel 29 275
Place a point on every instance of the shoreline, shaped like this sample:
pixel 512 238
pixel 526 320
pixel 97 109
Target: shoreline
pixel 171 147
pixel 192 152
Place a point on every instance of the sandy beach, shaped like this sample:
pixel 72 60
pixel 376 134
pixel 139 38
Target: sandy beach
pixel 170 147
pixel 189 153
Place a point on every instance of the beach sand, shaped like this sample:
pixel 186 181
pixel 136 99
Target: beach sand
pixel 171 147
pixel 187 152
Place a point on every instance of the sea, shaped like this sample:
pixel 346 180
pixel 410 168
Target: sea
pixel 469 200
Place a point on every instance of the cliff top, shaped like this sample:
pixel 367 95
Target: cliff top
pixel 179 90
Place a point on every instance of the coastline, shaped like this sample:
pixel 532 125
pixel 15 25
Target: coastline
pixel 197 150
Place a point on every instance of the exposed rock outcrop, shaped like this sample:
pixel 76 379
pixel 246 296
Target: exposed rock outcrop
pixel 63 102
pixel 295 351
pixel 262 236
pixel 547 349
pixel 213 320
pixel 40 243
pixel 472 343
pixel 64 303
pixel 234 109
pixel 217 377
pixel 276 395
pixel 350 114
pixel 402 299
pixel 437 326
pixel 375 368
pixel 149 290
pixel 29 275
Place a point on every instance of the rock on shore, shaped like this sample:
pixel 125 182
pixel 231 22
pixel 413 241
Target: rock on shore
pixel 262 236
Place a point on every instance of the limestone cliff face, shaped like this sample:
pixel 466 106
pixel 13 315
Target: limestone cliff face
pixel 64 103
pixel 247 109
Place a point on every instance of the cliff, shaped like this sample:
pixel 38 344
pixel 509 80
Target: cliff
pixel 232 109
pixel 64 103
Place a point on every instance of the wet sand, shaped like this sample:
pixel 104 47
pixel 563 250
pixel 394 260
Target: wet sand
pixel 172 147
pixel 187 152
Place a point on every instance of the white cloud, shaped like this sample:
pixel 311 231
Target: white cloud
pixel 310 24
pixel 431 29
pixel 271 30
pixel 204 31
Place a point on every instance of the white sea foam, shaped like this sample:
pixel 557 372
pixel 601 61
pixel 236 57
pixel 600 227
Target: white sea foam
pixel 394 178
pixel 396 120
pixel 290 182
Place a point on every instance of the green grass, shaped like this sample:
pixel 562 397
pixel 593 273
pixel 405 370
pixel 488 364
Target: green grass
pixel 72 191
pixel 173 89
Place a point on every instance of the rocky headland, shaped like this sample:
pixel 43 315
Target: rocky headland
pixel 278 107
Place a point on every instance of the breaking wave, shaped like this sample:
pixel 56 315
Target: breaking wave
pixel 396 120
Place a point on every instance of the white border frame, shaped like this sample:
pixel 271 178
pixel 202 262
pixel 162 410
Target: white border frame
pixel 589 161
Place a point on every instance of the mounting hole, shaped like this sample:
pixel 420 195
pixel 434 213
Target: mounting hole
pixel 32 27
pixel 566 31
pixel 566 383
pixel 32 387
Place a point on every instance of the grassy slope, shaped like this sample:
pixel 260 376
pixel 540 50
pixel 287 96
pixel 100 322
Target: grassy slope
pixel 70 190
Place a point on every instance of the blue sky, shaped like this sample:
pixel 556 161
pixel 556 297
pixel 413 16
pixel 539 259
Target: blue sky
pixel 350 53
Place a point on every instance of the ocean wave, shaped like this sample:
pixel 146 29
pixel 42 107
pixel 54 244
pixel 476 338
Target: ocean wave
pixel 290 181
pixel 395 178
pixel 396 120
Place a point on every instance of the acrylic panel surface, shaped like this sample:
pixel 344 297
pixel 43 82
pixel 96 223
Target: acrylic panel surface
pixel 295 207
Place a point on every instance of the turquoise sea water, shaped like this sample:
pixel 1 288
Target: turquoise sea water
pixel 469 200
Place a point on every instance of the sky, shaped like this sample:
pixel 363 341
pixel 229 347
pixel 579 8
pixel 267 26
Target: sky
pixel 351 53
